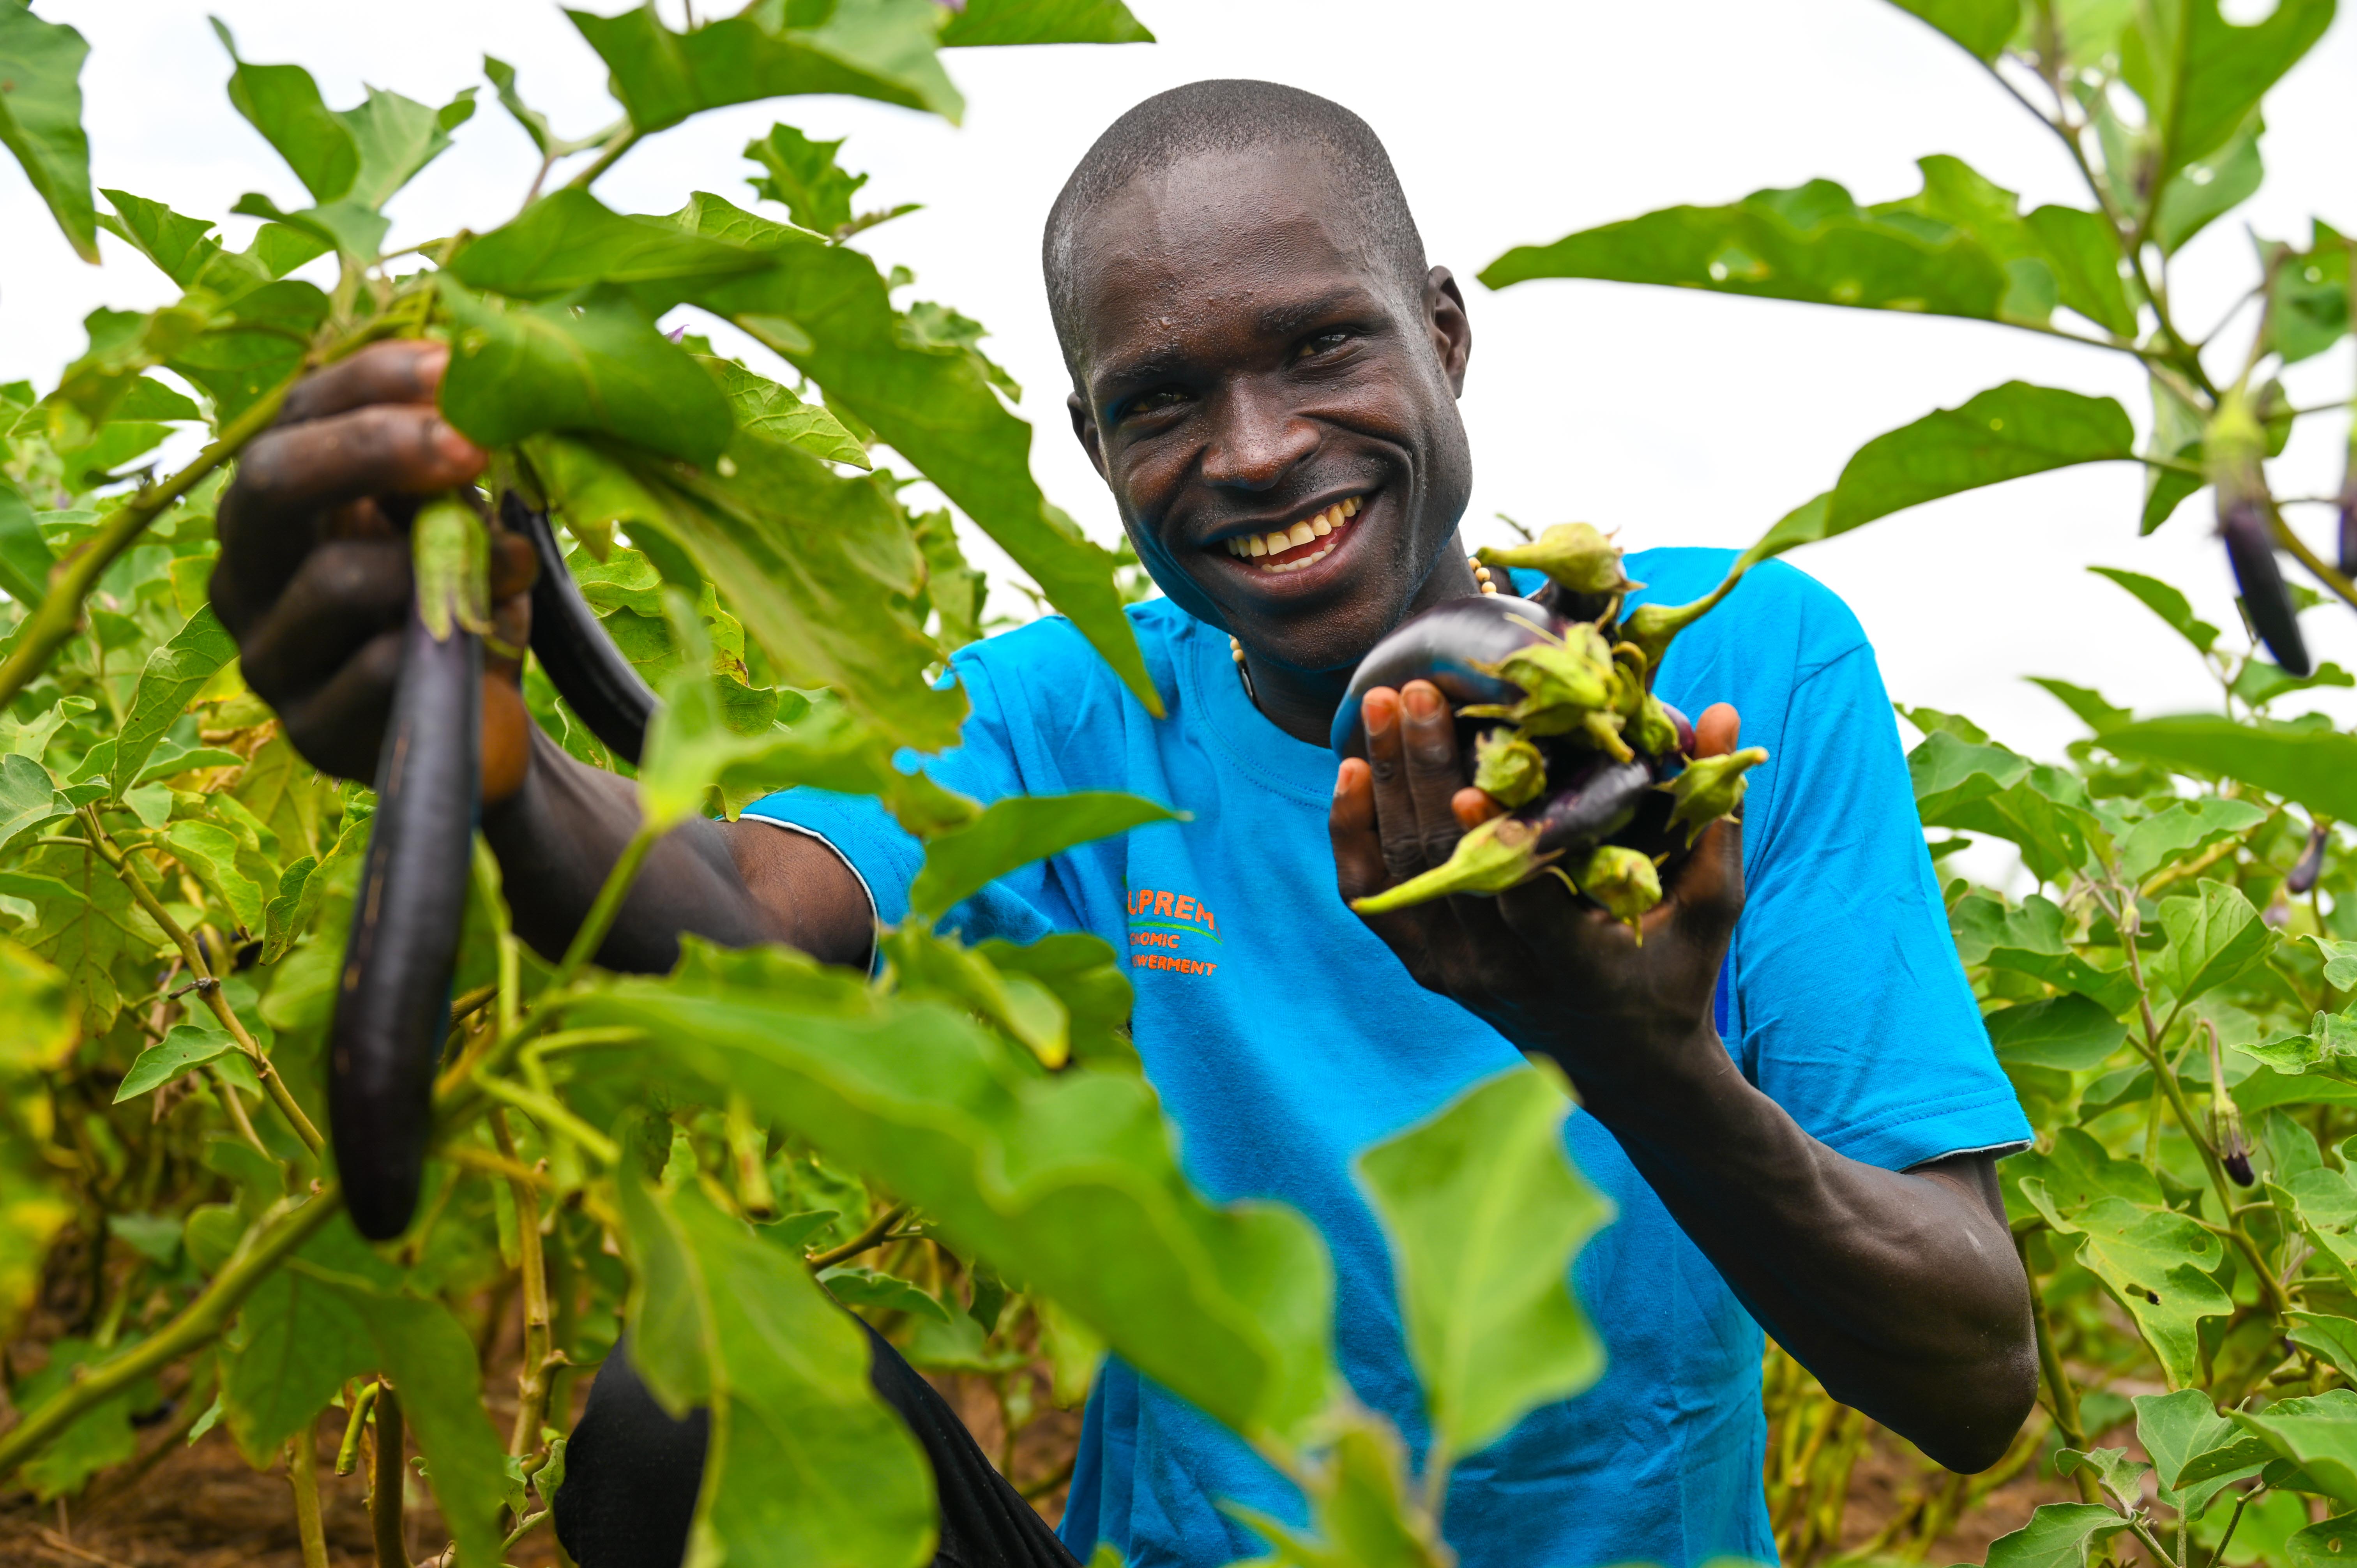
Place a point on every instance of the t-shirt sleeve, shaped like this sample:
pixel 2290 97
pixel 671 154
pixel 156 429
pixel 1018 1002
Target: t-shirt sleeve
pixel 1850 1008
pixel 1019 907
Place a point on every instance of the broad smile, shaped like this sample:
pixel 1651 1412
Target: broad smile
pixel 1298 544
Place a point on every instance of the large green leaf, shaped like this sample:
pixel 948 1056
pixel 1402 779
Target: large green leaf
pixel 2208 189
pixel 866 49
pixel 594 365
pixel 805 1463
pixel 40 117
pixel 2057 1536
pixel 2196 1451
pixel 282 103
pixel 820 568
pixel 770 410
pixel 1360 1510
pixel 2182 829
pixel 255 348
pixel 1485 1212
pixel 2319 1434
pixel 1015 833
pixel 2072 1033
pixel 986 23
pixel 434 1364
pixel 174 673
pixel 1069 1182
pixel 826 309
pixel 295 1343
pixel 2156 1263
pixel 2166 601
pixel 2312 765
pixel 1982 27
pixel 2200 76
pixel 1812 244
pixel 2214 935
pixel 569 240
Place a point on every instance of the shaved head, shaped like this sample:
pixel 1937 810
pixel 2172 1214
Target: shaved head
pixel 1231 116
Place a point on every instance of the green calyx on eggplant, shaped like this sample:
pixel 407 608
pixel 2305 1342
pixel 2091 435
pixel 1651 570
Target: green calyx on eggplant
pixel 587 670
pixel 1559 724
pixel 2234 448
pixel 392 1001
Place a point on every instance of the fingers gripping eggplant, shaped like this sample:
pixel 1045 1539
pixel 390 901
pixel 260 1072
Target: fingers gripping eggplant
pixel 589 672
pixel 393 1002
pixel 1560 724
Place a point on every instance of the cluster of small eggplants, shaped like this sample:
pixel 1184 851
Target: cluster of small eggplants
pixel 1554 705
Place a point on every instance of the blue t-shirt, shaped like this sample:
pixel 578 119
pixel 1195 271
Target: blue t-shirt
pixel 1284 1037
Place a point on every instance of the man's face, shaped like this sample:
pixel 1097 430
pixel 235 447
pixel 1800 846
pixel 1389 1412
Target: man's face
pixel 1274 408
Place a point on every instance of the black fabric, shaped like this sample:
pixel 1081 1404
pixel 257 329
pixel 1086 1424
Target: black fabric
pixel 632 1474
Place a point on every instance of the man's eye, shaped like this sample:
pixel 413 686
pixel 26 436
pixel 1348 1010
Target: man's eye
pixel 1155 402
pixel 1324 343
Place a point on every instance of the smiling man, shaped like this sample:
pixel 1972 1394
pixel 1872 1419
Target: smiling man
pixel 1788 1095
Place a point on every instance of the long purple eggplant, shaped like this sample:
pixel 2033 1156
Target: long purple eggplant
pixel 1444 645
pixel 2250 548
pixel 588 671
pixel 393 1002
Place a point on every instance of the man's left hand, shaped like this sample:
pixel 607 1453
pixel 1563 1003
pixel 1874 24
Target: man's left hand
pixel 1548 970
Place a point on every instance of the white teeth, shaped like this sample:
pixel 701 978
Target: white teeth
pixel 1256 544
pixel 1301 533
pixel 1351 507
pixel 1320 525
pixel 1279 541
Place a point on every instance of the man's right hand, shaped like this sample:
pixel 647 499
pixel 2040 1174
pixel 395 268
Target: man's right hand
pixel 314 576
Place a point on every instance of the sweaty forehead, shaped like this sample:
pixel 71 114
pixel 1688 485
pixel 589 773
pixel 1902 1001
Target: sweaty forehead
pixel 1251 238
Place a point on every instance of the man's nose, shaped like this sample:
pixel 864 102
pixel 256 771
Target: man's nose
pixel 1255 440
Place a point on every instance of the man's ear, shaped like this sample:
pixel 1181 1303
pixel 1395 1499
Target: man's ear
pixel 1084 430
pixel 1452 329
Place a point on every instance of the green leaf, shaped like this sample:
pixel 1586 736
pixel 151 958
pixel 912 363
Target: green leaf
pixel 1047 1177
pixel 596 365
pixel 2319 1434
pixel 770 410
pixel 858 1287
pixel 2321 1545
pixel 282 103
pixel 2207 189
pixel 2201 77
pixel 569 240
pixel 2181 830
pixel 2331 1339
pixel 238 363
pixel 2083 250
pixel 209 851
pixel 819 566
pixel 2179 1428
pixel 1084 973
pixel 99 1438
pixel 2165 602
pixel 432 1363
pixel 1812 244
pixel 1948 772
pixel 187 1048
pixel 2072 1033
pixel 1982 27
pixel 2259 682
pixel 2112 1470
pixel 28 797
pixel 866 49
pixel 502 78
pixel 25 557
pixel 804 178
pixel 805 1463
pixel 172 676
pixel 2213 935
pixel 987 23
pixel 295 1343
pixel 1485 1212
pixel 1015 833
pixel 2339 961
pixel 40 118
pixel 943 968
pixel 1360 1507
pixel 2057 1536
pixel 2156 1265
pixel 396 138
pixel 2308 295
pixel 2315 766
pixel 2090 705
pixel 935 407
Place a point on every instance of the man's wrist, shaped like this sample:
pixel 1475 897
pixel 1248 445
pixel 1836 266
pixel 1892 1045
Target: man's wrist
pixel 1653 1085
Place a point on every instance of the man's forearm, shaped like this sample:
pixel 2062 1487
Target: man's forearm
pixel 558 837
pixel 1899 1290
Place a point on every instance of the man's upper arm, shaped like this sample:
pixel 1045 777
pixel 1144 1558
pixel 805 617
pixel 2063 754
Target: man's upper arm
pixel 805 884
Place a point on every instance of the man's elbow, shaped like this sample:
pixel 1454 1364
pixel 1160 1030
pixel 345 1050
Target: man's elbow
pixel 1976 1424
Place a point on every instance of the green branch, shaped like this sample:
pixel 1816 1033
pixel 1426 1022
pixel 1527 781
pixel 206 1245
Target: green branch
pixel 196 1323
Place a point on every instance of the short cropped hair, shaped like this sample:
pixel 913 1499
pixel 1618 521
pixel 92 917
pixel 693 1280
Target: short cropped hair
pixel 1231 115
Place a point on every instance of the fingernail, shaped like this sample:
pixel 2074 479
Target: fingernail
pixel 1377 712
pixel 1421 701
pixel 454 447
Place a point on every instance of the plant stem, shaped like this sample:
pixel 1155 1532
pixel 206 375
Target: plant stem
pixel 2320 569
pixel 208 986
pixel 2061 1394
pixel 608 157
pixel 385 1482
pixel 609 905
pixel 877 1229
pixel 532 1380
pixel 553 1114
pixel 347 1451
pixel 195 1324
pixel 303 1474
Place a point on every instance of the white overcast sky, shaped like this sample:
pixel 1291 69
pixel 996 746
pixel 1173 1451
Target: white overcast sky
pixel 1673 416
